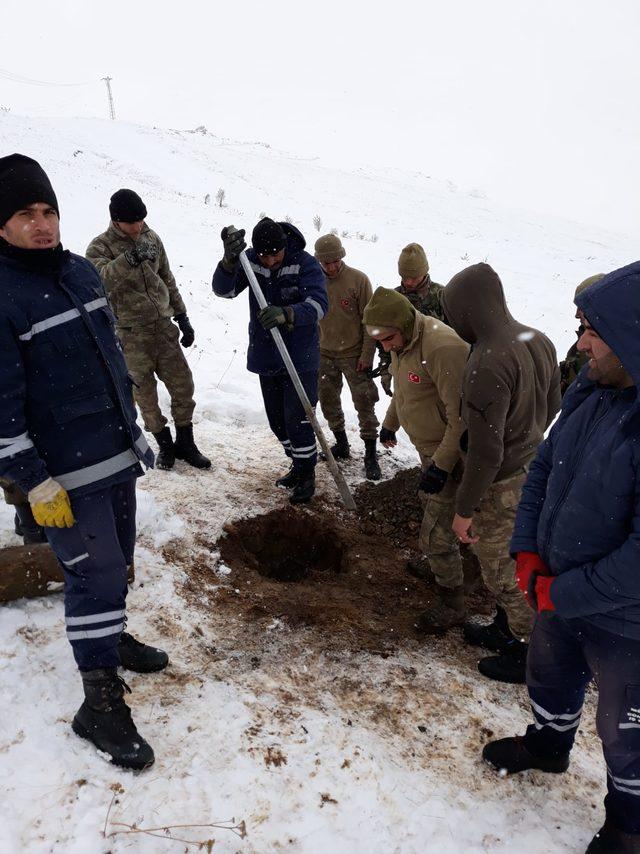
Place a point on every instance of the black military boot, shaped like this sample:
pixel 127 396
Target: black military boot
pixel 610 840
pixel 496 636
pixel 371 467
pixel 447 611
pixel 290 479
pixel 139 657
pixel 305 488
pixel 165 457
pixel 510 667
pixel 185 448
pixel 511 755
pixel 105 720
pixel 341 449
pixel 27 527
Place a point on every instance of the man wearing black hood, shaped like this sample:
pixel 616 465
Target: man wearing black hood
pixel 510 395
pixel 69 440
pixel 577 542
pixel 293 284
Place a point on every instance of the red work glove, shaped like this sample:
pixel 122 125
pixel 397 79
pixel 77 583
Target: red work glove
pixel 543 593
pixel 529 565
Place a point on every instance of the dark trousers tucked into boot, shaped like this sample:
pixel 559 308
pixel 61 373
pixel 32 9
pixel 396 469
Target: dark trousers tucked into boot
pixel 27 527
pixel 448 611
pixel 305 487
pixel 185 448
pixel 371 466
pixel 165 457
pixel 105 720
pixel 341 450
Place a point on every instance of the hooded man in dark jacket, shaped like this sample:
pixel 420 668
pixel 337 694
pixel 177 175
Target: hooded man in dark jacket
pixel 577 542
pixel 70 442
pixel 293 284
pixel 510 395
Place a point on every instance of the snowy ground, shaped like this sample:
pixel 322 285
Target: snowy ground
pixel 316 749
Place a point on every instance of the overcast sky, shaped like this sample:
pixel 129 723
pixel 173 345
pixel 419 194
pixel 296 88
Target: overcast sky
pixel 533 101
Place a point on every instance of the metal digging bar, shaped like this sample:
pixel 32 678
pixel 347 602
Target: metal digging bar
pixel 341 483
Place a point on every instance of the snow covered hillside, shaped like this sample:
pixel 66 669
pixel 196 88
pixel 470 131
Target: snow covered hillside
pixel 318 746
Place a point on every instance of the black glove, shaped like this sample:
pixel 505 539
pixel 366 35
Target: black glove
pixel 275 315
pixel 234 243
pixel 387 435
pixel 385 382
pixel 142 251
pixel 432 480
pixel 188 335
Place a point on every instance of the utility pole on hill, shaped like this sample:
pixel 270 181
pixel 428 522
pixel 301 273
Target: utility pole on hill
pixel 112 109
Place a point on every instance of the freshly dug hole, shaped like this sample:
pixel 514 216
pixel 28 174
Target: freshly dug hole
pixel 284 546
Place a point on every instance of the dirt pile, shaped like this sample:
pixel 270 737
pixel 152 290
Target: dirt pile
pixel 342 575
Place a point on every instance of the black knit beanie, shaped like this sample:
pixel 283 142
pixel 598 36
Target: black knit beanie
pixel 127 206
pixel 23 182
pixel 268 237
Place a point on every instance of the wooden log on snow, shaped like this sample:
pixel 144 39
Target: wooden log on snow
pixel 29 571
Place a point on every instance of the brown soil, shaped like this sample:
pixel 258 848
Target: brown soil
pixel 321 568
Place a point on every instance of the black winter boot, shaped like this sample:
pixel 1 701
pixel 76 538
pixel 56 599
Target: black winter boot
pixel 140 657
pixel 371 467
pixel 341 449
pixel 305 488
pixel 165 457
pixel 496 636
pixel 105 720
pixel 610 840
pixel 511 755
pixel 290 479
pixel 509 667
pixel 185 448
pixel 27 527
pixel 448 611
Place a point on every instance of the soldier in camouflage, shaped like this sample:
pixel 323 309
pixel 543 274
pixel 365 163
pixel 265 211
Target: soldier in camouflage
pixel 423 294
pixel 574 361
pixel 144 297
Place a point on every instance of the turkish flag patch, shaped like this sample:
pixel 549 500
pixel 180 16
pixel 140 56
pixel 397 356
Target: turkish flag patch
pixel 413 378
pixel 345 303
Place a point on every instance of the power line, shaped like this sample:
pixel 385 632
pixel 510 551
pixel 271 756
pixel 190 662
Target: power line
pixel 112 109
pixel 18 78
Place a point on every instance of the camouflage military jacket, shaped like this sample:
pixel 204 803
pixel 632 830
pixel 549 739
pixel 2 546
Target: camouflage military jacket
pixel 571 366
pixel 427 299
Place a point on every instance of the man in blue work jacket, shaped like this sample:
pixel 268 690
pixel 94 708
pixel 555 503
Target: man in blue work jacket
pixel 577 547
pixel 293 284
pixel 69 440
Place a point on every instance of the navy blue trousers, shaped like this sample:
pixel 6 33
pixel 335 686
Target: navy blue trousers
pixel 94 556
pixel 564 655
pixel 287 418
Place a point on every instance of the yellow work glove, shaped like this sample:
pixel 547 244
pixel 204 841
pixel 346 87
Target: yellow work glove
pixel 50 505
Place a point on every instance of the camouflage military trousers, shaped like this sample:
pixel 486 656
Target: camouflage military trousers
pixel 436 539
pixel 152 352
pixel 493 523
pixel 363 393
pixel 12 493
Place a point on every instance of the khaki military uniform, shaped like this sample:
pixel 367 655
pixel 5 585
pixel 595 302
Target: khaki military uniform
pixel 427 299
pixel 144 298
pixel 344 343
pixel 427 379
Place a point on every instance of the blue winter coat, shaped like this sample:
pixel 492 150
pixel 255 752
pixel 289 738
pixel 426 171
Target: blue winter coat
pixel 66 407
pixel 299 283
pixel 580 507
